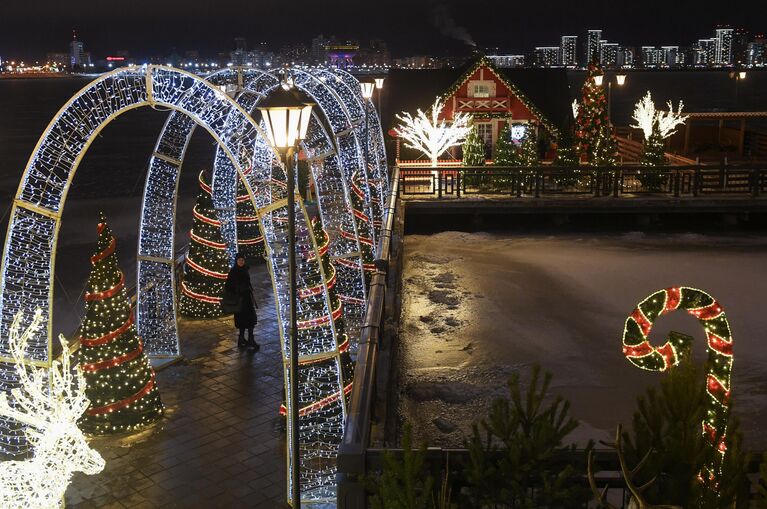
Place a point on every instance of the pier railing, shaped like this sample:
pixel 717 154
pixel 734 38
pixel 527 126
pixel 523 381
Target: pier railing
pixel 592 181
pixel 352 453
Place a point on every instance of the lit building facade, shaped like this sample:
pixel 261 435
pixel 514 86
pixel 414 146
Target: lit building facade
pixel 723 48
pixel 593 45
pixel 568 51
pixel 546 56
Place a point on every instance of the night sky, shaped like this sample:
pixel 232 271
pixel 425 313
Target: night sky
pixel 156 27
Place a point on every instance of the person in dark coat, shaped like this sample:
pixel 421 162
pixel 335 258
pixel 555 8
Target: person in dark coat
pixel 238 283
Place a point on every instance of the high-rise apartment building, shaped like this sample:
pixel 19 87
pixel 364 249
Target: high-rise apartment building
pixel 507 60
pixel 593 45
pixel 723 51
pixel 755 52
pixel 670 56
pixel 568 50
pixel 78 58
pixel 608 53
pixel 705 52
pixel 546 56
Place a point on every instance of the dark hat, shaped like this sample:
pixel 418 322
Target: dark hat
pixel 240 255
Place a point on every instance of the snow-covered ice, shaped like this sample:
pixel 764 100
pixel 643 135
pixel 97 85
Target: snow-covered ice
pixel 479 306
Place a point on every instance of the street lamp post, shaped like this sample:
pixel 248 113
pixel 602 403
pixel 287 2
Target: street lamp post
pixel 367 94
pixel 620 79
pixel 286 118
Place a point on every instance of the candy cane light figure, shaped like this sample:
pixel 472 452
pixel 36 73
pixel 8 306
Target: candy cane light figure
pixel 639 351
pixel 49 402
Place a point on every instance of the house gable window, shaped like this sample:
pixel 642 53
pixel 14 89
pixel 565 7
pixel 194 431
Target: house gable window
pixel 481 88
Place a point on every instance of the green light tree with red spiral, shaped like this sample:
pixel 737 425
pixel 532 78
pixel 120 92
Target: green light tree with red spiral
pixel 363 225
pixel 207 262
pixel 120 382
pixel 250 242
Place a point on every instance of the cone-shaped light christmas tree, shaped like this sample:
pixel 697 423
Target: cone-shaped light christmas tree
pixel 505 151
pixel 207 263
pixel 363 224
pixel 473 149
pixel 250 242
pixel 120 383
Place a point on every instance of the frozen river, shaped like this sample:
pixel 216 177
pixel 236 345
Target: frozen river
pixel 479 306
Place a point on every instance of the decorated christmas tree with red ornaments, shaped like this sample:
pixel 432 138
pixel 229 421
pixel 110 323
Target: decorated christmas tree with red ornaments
pixel 120 383
pixel 207 262
pixel 592 113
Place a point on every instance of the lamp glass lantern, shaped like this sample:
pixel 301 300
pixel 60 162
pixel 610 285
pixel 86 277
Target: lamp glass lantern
pixel 620 79
pixel 286 118
pixel 367 89
pixel 741 75
pixel 379 83
pixel 598 80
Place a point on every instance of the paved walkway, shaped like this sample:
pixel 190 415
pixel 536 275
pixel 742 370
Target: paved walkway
pixel 221 443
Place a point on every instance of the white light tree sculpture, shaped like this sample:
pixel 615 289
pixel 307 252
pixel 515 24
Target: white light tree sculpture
pixel 575 106
pixel 431 135
pixel 49 402
pixel 647 117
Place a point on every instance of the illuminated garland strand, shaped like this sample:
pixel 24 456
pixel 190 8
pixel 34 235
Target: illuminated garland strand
pixel 118 405
pixel 319 404
pixel 110 363
pixel 710 314
pixel 110 336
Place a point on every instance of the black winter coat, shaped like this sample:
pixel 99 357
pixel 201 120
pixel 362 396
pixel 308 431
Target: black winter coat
pixel 238 282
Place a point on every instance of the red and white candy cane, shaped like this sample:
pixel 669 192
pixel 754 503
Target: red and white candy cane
pixel 639 351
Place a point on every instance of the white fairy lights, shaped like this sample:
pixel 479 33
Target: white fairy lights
pixel 431 135
pixel 334 152
pixel 49 402
pixel 647 117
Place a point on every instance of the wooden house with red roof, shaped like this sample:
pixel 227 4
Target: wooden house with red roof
pixel 523 98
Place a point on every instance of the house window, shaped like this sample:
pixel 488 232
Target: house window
pixel 481 88
pixel 485 131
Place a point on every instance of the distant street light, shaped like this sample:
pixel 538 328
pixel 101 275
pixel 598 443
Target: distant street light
pixel 379 86
pixel 598 80
pixel 620 79
pixel 367 93
pixel 286 117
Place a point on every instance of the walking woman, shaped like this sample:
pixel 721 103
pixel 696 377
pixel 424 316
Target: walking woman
pixel 245 318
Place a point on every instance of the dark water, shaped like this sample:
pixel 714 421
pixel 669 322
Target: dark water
pixel 701 91
pixel 110 178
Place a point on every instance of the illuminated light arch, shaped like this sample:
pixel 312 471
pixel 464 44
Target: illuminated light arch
pixel 332 172
pixel 378 174
pixel 30 247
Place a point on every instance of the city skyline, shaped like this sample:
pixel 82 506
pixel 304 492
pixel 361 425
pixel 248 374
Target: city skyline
pixel 430 27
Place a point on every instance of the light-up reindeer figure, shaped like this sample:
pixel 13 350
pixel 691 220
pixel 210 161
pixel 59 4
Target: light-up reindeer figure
pixel 49 401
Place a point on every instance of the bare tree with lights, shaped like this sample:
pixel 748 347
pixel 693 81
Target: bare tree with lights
pixel 656 125
pixel 431 135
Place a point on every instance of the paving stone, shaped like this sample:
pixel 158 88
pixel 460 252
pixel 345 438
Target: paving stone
pixel 219 433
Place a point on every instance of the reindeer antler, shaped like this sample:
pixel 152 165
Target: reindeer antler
pixel 600 496
pixel 628 475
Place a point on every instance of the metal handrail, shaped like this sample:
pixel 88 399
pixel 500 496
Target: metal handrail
pixel 597 181
pixel 357 427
